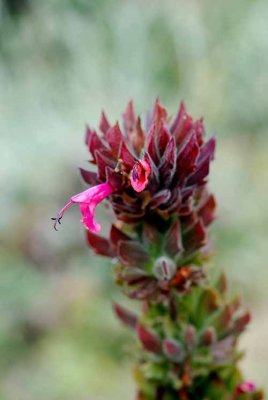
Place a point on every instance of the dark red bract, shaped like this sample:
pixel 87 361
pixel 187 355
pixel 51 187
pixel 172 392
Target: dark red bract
pixel 158 172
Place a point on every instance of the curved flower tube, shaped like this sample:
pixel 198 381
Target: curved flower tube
pixel 88 201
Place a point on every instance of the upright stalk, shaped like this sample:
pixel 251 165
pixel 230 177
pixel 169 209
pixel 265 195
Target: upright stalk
pixel 155 178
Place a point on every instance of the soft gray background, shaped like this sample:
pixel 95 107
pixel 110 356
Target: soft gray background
pixel 61 62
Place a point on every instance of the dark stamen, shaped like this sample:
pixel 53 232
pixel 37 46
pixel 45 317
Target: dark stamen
pixel 135 173
pixel 57 221
pixel 165 270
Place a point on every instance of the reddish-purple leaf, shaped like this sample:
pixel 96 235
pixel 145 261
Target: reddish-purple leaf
pixel 222 350
pixel 129 118
pixel 160 198
pixel 207 211
pixel 190 336
pixel 90 177
pixel 173 350
pixel 95 144
pixel 128 318
pixel 113 177
pixel 125 155
pixel 114 137
pixel 241 322
pixel 100 245
pixel 151 233
pixel 168 163
pixel 137 137
pixel 133 276
pixel 149 339
pixel 208 336
pixel 177 121
pixel 199 128
pixel 207 151
pixel 104 123
pixel 202 163
pixel 194 237
pixel 173 239
pixel 132 254
pixel 159 111
pixel 182 125
pixel 150 145
pixel 102 162
pixel 163 138
pixel 154 174
pixel 146 290
pixel 116 235
pixel 186 158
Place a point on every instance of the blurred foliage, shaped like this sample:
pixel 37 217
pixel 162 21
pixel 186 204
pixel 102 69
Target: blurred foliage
pixel 61 62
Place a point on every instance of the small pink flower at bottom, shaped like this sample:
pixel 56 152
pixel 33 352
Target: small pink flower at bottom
pixel 88 200
pixel 139 175
pixel 246 387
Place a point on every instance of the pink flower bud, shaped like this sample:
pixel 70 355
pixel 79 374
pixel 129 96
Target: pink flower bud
pixel 139 175
pixel 164 269
pixel 246 387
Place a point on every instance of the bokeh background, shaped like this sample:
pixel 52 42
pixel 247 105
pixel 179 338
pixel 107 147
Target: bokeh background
pixel 61 62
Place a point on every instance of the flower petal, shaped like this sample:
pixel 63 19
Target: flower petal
pixel 88 201
pixel 139 175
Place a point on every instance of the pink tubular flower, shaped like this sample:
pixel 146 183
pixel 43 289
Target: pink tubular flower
pixel 88 201
pixel 246 387
pixel 139 175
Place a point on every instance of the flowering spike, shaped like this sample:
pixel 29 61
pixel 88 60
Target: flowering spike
pixel 156 181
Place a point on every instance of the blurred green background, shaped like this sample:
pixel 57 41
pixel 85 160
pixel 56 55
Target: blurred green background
pixel 61 62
